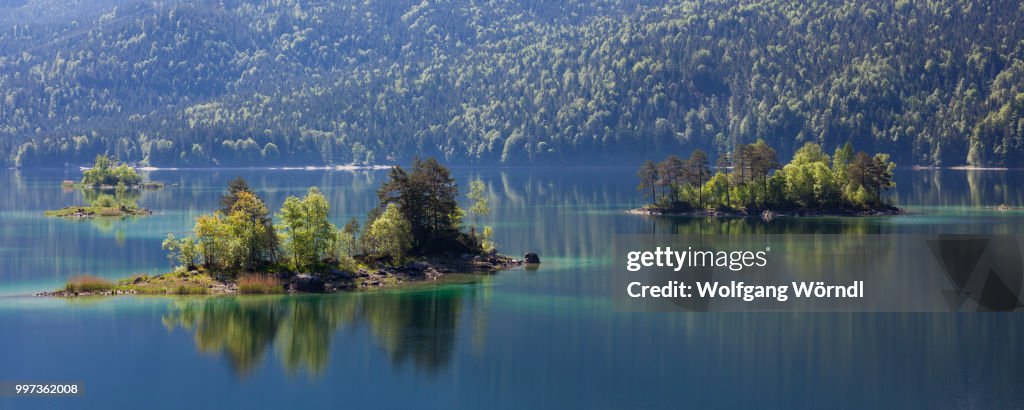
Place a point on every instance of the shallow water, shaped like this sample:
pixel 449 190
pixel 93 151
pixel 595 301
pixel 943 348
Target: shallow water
pixel 519 339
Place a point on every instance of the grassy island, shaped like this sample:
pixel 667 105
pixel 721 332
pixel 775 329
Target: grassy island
pixel 750 181
pixel 111 189
pixel 415 233
pixel 81 212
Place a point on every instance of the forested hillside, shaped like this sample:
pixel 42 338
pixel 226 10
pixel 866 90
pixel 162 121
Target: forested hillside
pixel 497 81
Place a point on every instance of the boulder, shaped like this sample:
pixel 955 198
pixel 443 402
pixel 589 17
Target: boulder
pixel 307 283
pixel 531 257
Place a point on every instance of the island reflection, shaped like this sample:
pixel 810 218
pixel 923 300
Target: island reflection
pixel 415 326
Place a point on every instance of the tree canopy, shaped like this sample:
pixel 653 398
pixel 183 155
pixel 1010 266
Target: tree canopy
pixel 244 237
pixel 755 180
pixel 107 172
pixel 427 198
pixel 935 82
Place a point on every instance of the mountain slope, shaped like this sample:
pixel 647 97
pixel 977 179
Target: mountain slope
pixel 298 82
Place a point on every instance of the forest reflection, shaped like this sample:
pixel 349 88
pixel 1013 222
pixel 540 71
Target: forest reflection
pixel 414 327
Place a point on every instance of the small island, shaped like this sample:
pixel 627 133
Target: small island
pixel 750 181
pixel 416 233
pixel 111 189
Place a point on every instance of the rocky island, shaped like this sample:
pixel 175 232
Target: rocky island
pixel 203 282
pixel 414 234
pixel 750 182
pixel 111 189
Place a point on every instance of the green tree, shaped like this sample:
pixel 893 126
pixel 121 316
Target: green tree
pixel 427 198
pixel 248 223
pixel 214 240
pixel 725 166
pixel 671 173
pixel 106 171
pixel 183 251
pixel 306 233
pixel 648 179
pixel 882 170
pixel 390 235
pixel 762 160
pixel 235 187
pixel 841 161
pixel 343 250
pixel 104 201
pixel 480 202
pixel 352 229
pixel 718 188
pixel 697 171
pixel 294 232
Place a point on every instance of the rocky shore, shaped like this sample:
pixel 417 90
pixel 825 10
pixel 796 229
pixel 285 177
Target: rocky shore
pixel 202 283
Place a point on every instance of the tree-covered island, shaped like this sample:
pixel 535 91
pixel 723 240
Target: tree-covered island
pixel 751 181
pixel 415 233
pixel 111 188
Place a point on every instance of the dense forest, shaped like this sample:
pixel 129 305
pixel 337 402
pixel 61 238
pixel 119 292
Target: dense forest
pixel 938 82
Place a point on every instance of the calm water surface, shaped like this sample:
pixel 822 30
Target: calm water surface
pixel 548 338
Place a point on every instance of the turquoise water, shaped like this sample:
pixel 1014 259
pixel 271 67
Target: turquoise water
pixel 548 338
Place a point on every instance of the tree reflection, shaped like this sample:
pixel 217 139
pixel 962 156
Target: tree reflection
pixel 417 328
pixel 241 329
pixel 412 326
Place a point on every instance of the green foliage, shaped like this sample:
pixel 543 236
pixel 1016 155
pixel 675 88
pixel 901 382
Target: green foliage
pixel 212 234
pixel 305 238
pixel 236 187
pixel 696 173
pixel 426 197
pixel 183 251
pixel 306 234
pixel 810 181
pixel 390 235
pixel 480 201
pixel 344 250
pixel 104 201
pixel 649 177
pixel 487 239
pixel 291 82
pixel 107 172
pixel 249 223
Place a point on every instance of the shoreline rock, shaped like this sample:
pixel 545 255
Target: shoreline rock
pixel 531 258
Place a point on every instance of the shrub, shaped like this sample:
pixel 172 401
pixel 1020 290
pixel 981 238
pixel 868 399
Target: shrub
pixel 191 290
pixel 87 283
pixel 259 284
pixel 104 201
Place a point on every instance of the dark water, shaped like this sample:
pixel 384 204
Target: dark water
pixel 520 339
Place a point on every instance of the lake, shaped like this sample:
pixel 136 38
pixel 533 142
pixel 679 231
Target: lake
pixel 545 338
